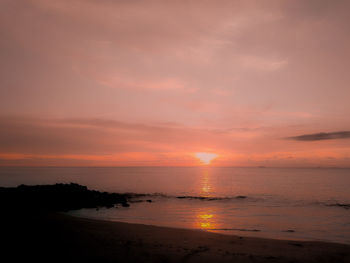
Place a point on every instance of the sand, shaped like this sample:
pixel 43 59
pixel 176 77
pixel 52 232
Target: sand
pixel 55 237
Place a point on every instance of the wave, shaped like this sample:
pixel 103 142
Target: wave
pixel 209 198
pixel 269 200
pixel 345 206
pixel 191 197
pixel 235 229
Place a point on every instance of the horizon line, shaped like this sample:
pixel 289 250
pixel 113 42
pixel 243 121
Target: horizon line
pixel 170 166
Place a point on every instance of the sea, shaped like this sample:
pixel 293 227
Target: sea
pixel 282 203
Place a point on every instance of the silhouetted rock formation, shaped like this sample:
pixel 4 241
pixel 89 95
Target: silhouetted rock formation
pixel 58 197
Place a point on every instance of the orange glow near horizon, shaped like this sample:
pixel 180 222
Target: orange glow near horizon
pixel 206 158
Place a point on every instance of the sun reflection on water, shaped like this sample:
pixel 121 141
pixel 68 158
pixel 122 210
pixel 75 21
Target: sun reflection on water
pixel 206 188
pixel 206 217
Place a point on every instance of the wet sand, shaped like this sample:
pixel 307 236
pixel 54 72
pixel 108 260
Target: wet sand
pixel 56 237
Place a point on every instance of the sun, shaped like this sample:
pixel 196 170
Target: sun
pixel 206 158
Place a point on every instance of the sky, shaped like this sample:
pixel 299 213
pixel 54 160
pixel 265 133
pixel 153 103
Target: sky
pixel 139 83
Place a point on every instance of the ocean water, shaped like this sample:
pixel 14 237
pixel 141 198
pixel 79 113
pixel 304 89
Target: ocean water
pixel 282 203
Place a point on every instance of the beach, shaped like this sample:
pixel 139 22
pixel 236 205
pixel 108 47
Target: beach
pixel 58 237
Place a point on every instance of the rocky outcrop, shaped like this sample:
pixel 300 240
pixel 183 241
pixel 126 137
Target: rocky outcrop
pixel 57 197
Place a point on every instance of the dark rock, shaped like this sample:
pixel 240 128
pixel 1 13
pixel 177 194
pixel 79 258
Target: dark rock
pixel 58 197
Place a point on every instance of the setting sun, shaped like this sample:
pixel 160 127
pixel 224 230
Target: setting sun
pixel 206 158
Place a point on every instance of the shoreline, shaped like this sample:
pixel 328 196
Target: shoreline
pixel 235 232
pixel 58 237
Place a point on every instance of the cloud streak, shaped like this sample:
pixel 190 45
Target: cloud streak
pixel 322 136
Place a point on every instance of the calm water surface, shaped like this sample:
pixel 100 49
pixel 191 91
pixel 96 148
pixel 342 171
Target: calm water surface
pixel 285 203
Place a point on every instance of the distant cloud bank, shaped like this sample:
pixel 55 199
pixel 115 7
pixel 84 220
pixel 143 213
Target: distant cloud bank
pixel 322 136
